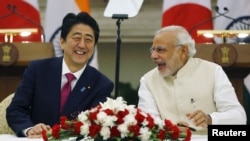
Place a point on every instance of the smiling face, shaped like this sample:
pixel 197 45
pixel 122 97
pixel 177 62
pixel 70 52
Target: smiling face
pixel 168 55
pixel 78 46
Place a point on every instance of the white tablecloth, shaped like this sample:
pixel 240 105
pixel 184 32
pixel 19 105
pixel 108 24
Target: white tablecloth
pixel 6 137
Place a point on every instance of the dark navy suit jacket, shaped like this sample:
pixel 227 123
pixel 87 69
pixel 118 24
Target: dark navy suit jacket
pixel 37 99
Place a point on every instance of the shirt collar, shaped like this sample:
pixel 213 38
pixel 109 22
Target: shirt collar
pixel 189 64
pixel 65 70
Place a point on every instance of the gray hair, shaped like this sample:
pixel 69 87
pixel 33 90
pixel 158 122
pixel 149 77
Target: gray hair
pixel 182 37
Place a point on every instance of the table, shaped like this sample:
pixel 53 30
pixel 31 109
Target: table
pixel 7 137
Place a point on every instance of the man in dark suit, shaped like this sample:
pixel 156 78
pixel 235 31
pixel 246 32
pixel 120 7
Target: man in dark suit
pixel 36 104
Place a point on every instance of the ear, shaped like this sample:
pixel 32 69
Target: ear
pixel 184 51
pixel 62 41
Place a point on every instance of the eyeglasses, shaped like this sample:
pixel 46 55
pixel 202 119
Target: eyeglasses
pixel 157 49
pixel 160 49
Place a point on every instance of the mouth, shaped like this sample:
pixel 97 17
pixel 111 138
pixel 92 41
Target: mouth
pixel 161 65
pixel 80 52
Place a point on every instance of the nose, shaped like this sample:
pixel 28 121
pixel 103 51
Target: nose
pixel 154 54
pixel 81 43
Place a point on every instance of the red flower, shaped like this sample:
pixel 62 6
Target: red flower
pixel 120 119
pixel 77 127
pixel 139 117
pixel 115 132
pixel 44 135
pixel 108 112
pixel 135 129
pixel 93 115
pixel 168 125
pixel 56 131
pixel 161 135
pixel 120 115
pixel 176 132
pixel 188 136
pixel 115 124
pixel 150 120
pixel 94 129
pixel 63 123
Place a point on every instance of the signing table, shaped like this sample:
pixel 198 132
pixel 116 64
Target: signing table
pixel 7 137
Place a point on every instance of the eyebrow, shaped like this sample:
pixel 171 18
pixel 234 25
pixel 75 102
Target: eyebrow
pixel 78 33
pixel 157 47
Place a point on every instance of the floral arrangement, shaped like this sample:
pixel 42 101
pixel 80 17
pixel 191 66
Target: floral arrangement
pixel 115 120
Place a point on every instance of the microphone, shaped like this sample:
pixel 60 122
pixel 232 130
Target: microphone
pixel 224 15
pixel 8 14
pixel 210 19
pixel 13 9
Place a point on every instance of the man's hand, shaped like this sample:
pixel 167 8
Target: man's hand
pixel 200 118
pixel 36 131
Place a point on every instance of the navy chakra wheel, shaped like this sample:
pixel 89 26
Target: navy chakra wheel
pixel 241 23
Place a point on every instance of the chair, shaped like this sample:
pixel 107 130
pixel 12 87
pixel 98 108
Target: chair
pixel 4 128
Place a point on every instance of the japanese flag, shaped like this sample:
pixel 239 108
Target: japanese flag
pixel 191 14
pixel 20 14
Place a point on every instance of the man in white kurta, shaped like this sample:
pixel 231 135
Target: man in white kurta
pixel 186 89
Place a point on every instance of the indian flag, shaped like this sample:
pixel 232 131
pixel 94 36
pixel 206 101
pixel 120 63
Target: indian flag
pixel 237 18
pixel 54 14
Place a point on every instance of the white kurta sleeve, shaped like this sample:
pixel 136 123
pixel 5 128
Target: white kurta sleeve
pixel 146 101
pixel 230 111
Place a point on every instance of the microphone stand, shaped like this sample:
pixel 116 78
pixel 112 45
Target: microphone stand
pixel 224 15
pixel 208 20
pixel 224 39
pixel 119 17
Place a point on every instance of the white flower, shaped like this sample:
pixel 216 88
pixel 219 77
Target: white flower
pixel 130 119
pixel 123 128
pixel 84 129
pixel 145 134
pixel 106 120
pixel 159 122
pixel 115 105
pixel 83 116
pixel 131 109
pixel 101 116
pixel 115 113
pixel 105 132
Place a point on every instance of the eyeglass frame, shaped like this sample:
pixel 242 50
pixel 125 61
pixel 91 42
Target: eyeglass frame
pixel 160 49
